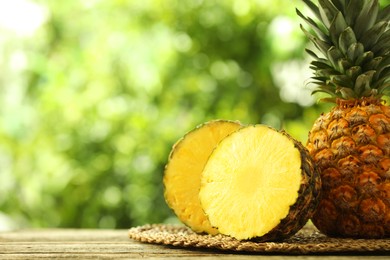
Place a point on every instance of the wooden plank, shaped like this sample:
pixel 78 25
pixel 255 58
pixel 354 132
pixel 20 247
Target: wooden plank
pixel 64 235
pixel 88 244
pixel 108 244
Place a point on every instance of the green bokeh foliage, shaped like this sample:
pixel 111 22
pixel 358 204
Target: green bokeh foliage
pixel 108 86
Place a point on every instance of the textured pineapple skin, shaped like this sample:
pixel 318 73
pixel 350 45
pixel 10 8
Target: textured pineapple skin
pixel 308 199
pixel 350 146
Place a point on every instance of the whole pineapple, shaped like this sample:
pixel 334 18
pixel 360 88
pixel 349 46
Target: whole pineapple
pixel 351 144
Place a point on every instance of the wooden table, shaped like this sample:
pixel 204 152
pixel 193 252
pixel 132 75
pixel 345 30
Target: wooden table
pixel 104 244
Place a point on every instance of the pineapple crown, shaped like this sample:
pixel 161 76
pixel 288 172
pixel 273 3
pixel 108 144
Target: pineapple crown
pixel 354 38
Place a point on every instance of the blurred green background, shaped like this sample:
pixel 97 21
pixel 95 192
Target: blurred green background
pixel 94 94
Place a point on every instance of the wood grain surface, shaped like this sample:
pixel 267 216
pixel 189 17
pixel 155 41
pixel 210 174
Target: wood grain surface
pixel 114 244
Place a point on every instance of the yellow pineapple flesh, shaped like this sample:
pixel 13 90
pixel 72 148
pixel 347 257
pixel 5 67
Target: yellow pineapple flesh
pixel 259 183
pixel 183 170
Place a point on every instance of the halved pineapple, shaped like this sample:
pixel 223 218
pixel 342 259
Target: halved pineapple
pixel 259 183
pixel 185 165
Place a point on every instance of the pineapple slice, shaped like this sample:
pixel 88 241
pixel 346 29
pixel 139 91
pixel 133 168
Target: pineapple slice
pixel 259 183
pixel 185 165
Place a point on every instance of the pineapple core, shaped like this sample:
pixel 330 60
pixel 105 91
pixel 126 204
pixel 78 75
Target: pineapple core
pixel 250 181
pixel 182 173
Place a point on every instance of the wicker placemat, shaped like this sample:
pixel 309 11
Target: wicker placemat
pixel 306 241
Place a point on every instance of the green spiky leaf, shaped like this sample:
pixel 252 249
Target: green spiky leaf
pixel 366 57
pixel 384 15
pixel 354 51
pixel 337 27
pixel 384 88
pixel 327 11
pixel 341 80
pixel 320 65
pixel 347 93
pixel 366 18
pixel 326 73
pixel 344 64
pixel 313 8
pixel 354 72
pixel 384 64
pixel 373 64
pixel 340 5
pixel 323 46
pixel 363 82
pixel 346 39
pixel 319 31
pixel 353 10
pixel 384 72
pixel 320 80
pixel 354 38
pixel 371 37
pixel 328 89
pixel 334 55
pixel 382 46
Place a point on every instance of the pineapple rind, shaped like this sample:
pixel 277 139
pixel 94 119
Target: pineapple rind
pixel 351 148
pixel 182 199
pixel 304 206
pixel 308 199
pixel 351 144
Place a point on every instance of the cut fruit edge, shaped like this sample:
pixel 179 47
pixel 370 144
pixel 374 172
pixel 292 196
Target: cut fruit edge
pixel 182 172
pixel 221 194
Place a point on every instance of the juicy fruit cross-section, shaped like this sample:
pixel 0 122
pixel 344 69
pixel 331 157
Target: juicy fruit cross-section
pixel 184 168
pixel 247 182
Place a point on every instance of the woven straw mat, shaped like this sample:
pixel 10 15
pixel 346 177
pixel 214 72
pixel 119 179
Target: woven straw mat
pixel 307 241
